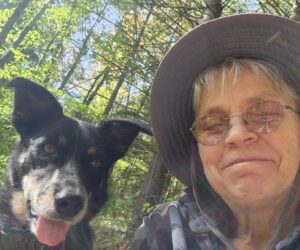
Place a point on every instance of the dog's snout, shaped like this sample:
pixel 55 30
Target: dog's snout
pixel 69 206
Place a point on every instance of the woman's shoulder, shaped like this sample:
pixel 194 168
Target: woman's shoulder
pixel 168 224
pixel 154 231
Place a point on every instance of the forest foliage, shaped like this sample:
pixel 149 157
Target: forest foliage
pixel 98 57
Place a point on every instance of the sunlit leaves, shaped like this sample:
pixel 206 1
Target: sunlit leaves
pixel 117 52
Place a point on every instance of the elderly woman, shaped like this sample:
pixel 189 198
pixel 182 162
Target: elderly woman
pixel 224 108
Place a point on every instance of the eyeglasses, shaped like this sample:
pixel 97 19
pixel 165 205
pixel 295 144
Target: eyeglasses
pixel 261 117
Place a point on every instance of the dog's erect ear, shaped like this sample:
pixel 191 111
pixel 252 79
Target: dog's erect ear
pixel 34 107
pixel 120 133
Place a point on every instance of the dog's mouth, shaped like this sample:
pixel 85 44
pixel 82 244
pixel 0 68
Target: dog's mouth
pixel 49 232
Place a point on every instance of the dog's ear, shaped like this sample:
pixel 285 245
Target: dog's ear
pixel 34 107
pixel 120 133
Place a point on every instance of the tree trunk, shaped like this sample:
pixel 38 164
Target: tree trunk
pixel 92 93
pixel 151 192
pixel 126 69
pixel 66 25
pixel 12 20
pixel 213 10
pixel 56 54
pixel 144 100
pixel 105 73
pixel 9 53
pixel 296 15
pixel 82 52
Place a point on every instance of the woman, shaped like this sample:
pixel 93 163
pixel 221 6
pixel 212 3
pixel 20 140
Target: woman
pixel 224 109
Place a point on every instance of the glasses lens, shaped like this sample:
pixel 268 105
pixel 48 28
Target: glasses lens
pixel 211 129
pixel 263 117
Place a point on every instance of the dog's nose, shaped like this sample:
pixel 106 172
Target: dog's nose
pixel 69 206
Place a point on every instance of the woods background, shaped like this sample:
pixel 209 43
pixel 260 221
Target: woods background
pixel 98 57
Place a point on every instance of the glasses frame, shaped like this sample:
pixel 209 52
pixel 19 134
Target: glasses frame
pixel 285 107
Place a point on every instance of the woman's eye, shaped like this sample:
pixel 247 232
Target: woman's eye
pixel 265 117
pixel 95 163
pixel 49 148
pixel 213 125
pixel 215 128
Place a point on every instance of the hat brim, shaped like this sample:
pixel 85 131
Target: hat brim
pixel 270 38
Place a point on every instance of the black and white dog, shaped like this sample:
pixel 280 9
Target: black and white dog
pixel 57 176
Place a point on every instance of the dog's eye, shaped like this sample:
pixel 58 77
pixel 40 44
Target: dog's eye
pixel 96 163
pixel 50 149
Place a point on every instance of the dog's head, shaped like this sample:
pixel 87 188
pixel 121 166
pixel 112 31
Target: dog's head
pixel 60 167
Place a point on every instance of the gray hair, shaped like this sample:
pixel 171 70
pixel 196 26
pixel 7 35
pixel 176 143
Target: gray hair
pixel 233 67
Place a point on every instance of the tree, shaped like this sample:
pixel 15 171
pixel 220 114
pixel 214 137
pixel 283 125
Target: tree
pixel 92 92
pixel 151 191
pixel 82 51
pixel 296 15
pixel 9 53
pixel 99 58
pixel 15 17
pixel 127 66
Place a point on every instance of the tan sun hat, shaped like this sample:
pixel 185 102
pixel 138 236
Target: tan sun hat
pixel 270 38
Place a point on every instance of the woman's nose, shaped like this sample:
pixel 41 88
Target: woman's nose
pixel 238 132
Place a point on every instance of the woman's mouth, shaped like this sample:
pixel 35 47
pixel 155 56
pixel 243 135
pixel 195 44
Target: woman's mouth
pixel 240 161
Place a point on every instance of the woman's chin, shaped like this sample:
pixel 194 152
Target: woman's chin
pixel 254 192
pixel 245 189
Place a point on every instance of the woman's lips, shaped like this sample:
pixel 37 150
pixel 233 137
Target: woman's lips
pixel 244 160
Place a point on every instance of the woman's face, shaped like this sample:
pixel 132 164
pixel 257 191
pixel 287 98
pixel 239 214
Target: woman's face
pixel 249 169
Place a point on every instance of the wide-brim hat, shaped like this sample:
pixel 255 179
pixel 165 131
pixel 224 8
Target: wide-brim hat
pixel 266 37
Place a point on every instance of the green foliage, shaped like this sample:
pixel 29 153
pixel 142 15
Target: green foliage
pixel 127 42
pixel 7 133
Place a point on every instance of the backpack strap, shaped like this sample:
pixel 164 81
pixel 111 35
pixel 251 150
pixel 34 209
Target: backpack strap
pixel 178 238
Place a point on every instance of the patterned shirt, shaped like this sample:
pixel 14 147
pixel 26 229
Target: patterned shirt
pixel 179 226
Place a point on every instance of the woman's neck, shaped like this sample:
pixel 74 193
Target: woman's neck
pixel 257 224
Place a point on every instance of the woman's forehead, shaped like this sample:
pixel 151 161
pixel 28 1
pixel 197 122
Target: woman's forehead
pixel 248 87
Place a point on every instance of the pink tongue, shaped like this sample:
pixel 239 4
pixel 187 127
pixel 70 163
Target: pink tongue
pixel 51 232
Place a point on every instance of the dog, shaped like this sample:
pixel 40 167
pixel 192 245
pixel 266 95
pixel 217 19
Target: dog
pixel 57 176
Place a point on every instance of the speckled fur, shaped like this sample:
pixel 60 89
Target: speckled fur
pixel 57 156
